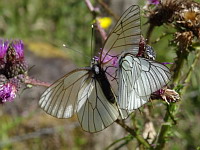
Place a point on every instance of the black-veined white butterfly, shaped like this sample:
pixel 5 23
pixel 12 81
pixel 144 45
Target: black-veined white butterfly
pixel 86 91
pixel 139 77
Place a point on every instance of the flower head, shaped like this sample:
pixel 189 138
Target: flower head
pixel 19 48
pixel 7 92
pixel 108 58
pixel 105 22
pixel 183 39
pixel 187 17
pixel 3 49
pixel 12 68
pixel 168 95
pixel 15 51
pixel 15 63
pixel 163 13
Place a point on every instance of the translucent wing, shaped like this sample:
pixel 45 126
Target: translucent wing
pixel 124 114
pixel 78 92
pixel 125 36
pixel 94 111
pixel 60 99
pixel 138 78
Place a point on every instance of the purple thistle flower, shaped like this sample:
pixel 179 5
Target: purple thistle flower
pixel 113 60
pixel 3 49
pixel 15 63
pixel 154 2
pixel 7 92
pixel 19 48
pixel 12 68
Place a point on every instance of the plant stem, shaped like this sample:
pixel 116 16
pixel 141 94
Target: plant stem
pixel 172 108
pixel 166 126
pixel 192 67
pixel 32 81
pixel 101 31
pixel 127 139
pixel 140 139
pixel 105 6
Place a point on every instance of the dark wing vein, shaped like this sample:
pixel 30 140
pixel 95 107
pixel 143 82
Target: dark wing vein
pixel 59 100
pixel 125 36
pixel 95 112
pixel 147 76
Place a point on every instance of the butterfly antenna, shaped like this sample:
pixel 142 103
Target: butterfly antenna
pixel 92 41
pixel 29 69
pixel 76 51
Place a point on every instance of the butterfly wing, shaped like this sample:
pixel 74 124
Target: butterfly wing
pixel 138 78
pixel 125 36
pixel 94 111
pixel 60 99
pixel 78 92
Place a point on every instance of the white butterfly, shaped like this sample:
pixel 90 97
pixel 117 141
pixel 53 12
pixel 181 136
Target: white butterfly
pixel 87 91
pixel 139 77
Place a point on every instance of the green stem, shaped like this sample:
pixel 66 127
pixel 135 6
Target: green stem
pixel 140 139
pixel 178 66
pixel 127 139
pixel 173 108
pixel 149 31
pixel 192 67
pixel 166 127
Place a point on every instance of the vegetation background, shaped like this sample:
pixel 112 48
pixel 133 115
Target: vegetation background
pixel 44 26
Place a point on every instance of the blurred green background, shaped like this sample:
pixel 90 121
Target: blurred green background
pixel 44 26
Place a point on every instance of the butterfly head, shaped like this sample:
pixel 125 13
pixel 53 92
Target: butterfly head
pixel 149 52
pixel 95 65
pixel 95 61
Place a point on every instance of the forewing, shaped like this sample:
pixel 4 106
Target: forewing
pixel 60 99
pixel 94 111
pixel 138 78
pixel 125 36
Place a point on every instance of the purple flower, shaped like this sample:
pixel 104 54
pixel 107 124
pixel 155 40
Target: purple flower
pixel 19 48
pixel 111 59
pixel 107 58
pixel 15 63
pixel 154 2
pixel 3 49
pixel 7 92
pixel 12 68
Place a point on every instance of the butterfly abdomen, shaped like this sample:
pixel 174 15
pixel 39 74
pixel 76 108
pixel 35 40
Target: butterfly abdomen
pixel 100 76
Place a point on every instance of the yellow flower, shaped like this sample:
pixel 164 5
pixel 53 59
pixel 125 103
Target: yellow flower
pixel 105 22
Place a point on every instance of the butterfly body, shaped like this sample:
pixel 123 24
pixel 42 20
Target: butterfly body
pixel 100 76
